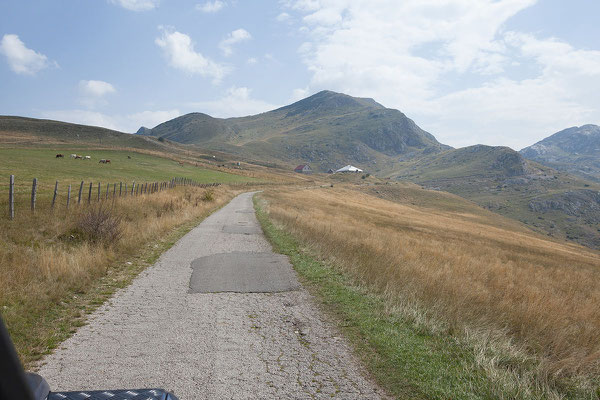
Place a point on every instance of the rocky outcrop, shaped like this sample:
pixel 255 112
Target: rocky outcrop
pixel 576 203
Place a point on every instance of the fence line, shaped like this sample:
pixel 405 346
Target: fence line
pixel 138 189
pixel 11 198
pixel 33 194
pixel 55 194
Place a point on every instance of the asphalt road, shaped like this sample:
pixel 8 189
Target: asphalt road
pixel 219 316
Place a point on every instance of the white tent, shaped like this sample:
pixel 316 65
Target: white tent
pixel 349 168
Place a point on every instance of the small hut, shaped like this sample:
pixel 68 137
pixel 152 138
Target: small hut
pixel 303 169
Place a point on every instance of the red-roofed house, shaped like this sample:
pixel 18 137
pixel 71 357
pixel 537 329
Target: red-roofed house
pixel 303 169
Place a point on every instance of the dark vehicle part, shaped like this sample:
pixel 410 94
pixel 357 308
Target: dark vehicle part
pixel 16 384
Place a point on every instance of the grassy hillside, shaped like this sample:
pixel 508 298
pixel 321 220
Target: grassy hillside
pixel 501 180
pixel 42 164
pixel 328 130
pixel 20 131
pixel 125 166
pixel 490 308
pixel 61 137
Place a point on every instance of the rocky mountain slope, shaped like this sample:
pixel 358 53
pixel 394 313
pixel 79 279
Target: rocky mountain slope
pixel 502 180
pixel 575 150
pixel 326 130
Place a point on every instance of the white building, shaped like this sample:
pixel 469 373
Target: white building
pixel 349 168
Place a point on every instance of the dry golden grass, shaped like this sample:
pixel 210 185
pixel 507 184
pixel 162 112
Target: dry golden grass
pixel 472 270
pixel 45 262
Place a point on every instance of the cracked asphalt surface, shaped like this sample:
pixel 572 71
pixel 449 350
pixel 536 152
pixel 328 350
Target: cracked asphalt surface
pixel 224 345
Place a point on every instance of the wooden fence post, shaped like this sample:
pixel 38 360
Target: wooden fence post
pixel 55 193
pixel 125 193
pixel 132 187
pixel 120 188
pixel 80 193
pixel 90 194
pixel 11 197
pixel 33 194
pixel 107 189
pixel 114 190
pixel 68 196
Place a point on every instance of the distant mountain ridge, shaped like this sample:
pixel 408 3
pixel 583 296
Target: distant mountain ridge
pixel 504 181
pixel 575 150
pixel 327 130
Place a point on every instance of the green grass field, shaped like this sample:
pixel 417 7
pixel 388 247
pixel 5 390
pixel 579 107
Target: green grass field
pixel 42 164
pixel 27 164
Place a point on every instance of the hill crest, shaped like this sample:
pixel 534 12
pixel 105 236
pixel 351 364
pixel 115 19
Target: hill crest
pixel 327 130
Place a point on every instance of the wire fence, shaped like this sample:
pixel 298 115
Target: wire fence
pixel 83 192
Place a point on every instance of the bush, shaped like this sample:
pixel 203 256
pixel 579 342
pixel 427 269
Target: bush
pixel 208 196
pixel 99 225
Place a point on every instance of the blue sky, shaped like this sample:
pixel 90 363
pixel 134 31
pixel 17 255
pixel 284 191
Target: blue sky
pixel 499 72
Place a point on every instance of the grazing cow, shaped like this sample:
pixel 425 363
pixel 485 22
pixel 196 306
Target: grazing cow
pixel 78 157
pixel 103 161
pixel 87 158
pixel 59 156
pixel 73 155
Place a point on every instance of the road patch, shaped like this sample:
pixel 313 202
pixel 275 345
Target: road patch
pixel 242 272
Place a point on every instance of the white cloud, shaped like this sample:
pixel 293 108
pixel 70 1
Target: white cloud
pixel 93 92
pixel 21 59
pixel 210 6
pixel 237 36
pixel 179 50
pixel 137 5
pixel 237 102
pixel 252 61
pixel 94 88
pixel 450 65
pixel 150 119
pixel 299 94
pixel 283 17
pixel 520 112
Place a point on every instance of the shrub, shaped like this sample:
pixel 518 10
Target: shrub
pixel 208 196
pixel 99 225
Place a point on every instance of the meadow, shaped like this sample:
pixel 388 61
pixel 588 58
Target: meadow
pixel 526 305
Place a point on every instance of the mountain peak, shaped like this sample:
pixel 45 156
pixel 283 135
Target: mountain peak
pixel 143 131
pixel 575 150
pixel 327 101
